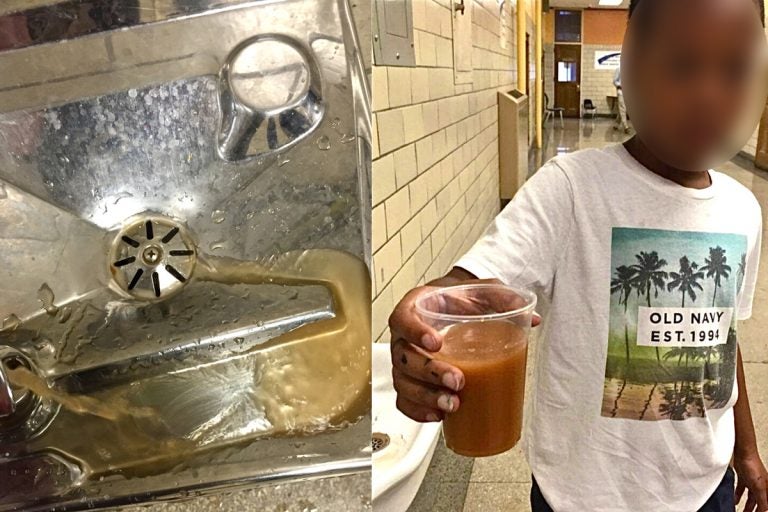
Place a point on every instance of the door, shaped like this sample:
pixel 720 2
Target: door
pixel 567 75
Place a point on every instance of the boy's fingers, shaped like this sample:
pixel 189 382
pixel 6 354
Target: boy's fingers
pixel 419 366
pixel 761 499
pixel 751 505
pixel 739 491
pixel 418 412
pixel 424 394
pixel 490 301
pixel 404 322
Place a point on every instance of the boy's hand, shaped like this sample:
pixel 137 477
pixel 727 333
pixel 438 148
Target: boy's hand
pixel 752 476
pixel 426 388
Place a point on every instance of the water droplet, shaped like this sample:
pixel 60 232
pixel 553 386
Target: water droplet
pixel 324 143
pixel 282 160
pixel 218 216
pixel 347 138
pixel 133 93
pixel 218 244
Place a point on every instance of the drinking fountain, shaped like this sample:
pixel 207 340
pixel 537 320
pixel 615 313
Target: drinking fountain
pixel 184 248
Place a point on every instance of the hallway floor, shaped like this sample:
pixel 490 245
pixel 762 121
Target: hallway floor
pixel 458 484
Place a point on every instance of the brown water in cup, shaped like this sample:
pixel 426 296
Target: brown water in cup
pixel 492 355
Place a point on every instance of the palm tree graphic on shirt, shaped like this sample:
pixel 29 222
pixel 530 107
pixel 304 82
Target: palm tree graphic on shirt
pixel 686 280
pixel 716 268
pixel 702 372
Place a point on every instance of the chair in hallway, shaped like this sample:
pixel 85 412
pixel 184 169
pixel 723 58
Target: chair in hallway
pixel 552 112
pixel 589 108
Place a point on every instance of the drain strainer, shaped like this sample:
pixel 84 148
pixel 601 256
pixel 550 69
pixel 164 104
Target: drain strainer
pixel 31 413
pixel 379 441
pixel 152 258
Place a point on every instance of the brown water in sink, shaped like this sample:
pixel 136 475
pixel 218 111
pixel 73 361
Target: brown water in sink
pixel 116 427
pixel 310 379
pixel 24 379
pixel 319 374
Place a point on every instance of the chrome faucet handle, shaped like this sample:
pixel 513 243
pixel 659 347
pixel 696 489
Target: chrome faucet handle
pixel 23 414
pixel 270 98
pixel 7 400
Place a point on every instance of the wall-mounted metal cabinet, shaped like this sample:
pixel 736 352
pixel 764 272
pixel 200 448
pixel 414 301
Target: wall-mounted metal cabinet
pixel 514 113
pixel 393 33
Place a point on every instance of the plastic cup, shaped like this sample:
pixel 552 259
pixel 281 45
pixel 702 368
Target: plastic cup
pixel 485 329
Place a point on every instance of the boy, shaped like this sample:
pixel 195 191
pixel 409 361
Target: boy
pixel 643 261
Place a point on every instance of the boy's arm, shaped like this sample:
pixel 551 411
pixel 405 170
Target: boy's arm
pixel 525 242
pixel 749 467
pixel 519 248
pixel 746 440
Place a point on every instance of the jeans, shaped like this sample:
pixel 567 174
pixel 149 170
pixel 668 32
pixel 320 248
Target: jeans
pixel 721 501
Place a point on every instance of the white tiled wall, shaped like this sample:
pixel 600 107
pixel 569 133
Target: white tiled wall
pixel 549 72
pixel 435 168
pixel 596 84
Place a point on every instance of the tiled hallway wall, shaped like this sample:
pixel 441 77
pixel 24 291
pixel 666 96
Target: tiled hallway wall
pixel 549 72
pixel 435 168
pixel 597 84
pixel 603 30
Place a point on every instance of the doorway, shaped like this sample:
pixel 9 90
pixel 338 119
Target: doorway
pixel 567 72
pixel 567 75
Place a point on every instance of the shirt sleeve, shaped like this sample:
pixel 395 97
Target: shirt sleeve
pixel 525 241
pixel 751 264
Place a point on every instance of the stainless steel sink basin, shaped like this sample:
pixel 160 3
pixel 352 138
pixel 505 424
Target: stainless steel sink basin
pixel 184 248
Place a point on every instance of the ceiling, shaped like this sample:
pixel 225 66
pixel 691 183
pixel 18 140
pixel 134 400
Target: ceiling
pixel 583 4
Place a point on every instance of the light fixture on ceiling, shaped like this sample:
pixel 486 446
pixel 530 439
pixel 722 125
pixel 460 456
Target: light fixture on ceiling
pixel 610 3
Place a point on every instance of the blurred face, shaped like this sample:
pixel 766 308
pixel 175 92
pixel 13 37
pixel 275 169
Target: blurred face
pixel 693 76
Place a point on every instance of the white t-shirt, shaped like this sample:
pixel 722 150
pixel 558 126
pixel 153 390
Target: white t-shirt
pixel 641 282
